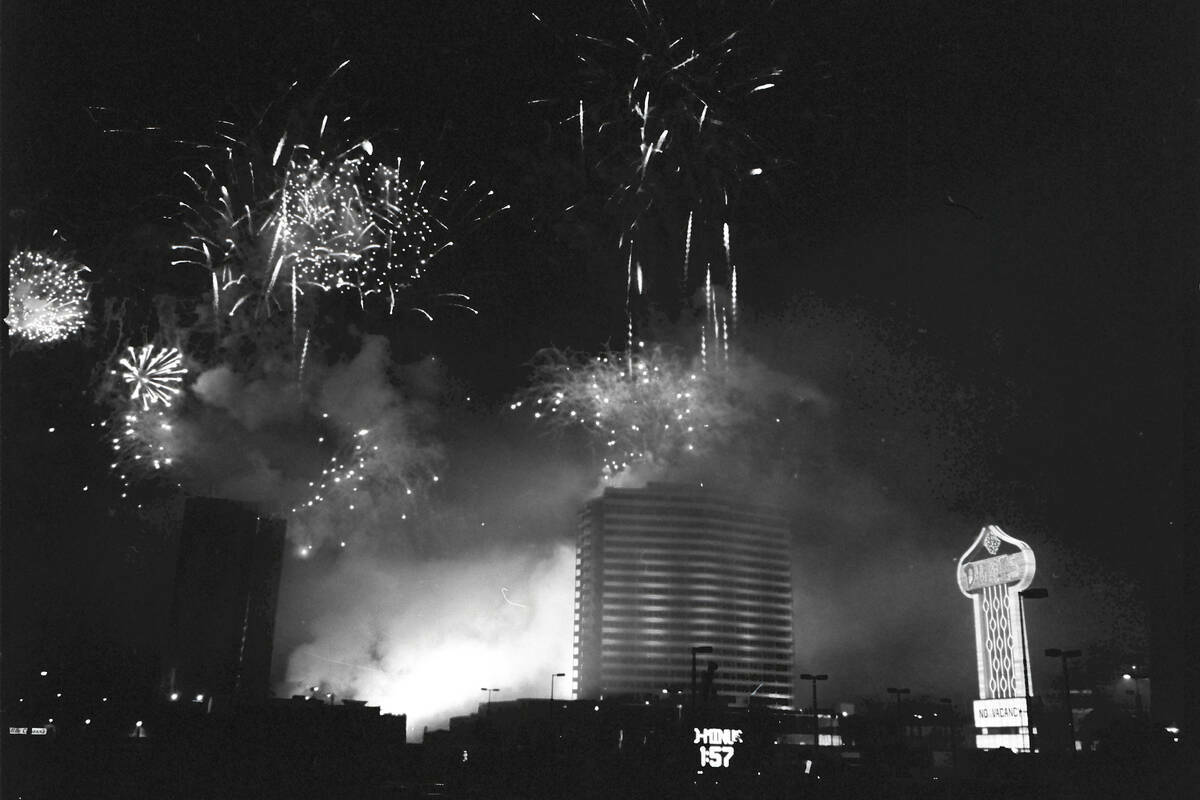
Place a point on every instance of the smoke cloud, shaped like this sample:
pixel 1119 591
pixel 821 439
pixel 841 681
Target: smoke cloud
pixel 422 637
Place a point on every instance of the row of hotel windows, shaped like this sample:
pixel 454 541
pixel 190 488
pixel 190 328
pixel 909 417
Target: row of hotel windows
pixel 690 509
pixel 690 538
pixel 780 602
pixel 701 612
pixel 624 650
pixel 692 569
pixel 760 627
pixel 697 582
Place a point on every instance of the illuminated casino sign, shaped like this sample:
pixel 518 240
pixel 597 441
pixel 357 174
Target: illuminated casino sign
pixel 716 745
pixel 991 573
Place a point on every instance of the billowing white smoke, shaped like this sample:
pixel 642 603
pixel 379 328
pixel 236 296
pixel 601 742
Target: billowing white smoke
pixel 421 639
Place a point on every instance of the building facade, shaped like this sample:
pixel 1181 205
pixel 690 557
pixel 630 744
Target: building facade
pixel 222 623
pixel 666 569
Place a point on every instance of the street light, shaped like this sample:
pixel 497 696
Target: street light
pixel 489 697
pixel 1054 652
pixel 703 649
pixel 816 719
pixel 1137 686
pixel 552 677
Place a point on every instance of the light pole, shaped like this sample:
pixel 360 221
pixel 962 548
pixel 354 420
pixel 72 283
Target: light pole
pixel 1137 687
pixel 489 698
pixel 703 649
pixel 898 693
pixel 552 677
pixel 1054 652
pixel 816 720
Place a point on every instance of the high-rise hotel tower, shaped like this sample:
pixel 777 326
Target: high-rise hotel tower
pixel 666 569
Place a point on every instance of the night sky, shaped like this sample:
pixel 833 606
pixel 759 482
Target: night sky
pixel 973 239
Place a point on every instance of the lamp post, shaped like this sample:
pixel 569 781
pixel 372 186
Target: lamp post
pixel 703 649
pixel 816 719
pixel 1054 652
pixel 489 698
pixel 898 692
pixel 1132 675
pixel 552 677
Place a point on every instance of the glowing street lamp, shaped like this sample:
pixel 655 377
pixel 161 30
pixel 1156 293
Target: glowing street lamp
pixel 1133 675
pixel 489 697
pixel 816 719
pixel 552 677
pixel 1054 652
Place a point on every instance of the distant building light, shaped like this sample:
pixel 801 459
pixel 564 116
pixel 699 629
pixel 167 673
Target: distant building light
pixel 87 721
pixel 44 673
pixel 174 696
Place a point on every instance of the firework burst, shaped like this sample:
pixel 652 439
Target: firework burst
pixel 143 444
pixel 315 212
pixel 665 138
pixel 47 297
pixel 154 374
pixel 650 407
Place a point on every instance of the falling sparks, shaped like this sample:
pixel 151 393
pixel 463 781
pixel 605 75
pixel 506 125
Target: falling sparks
pixel 143 445
pixel 47 297
pixel 650 407
pixel 154 374
pixel 361 473
pixel 320 216
pixel 666 135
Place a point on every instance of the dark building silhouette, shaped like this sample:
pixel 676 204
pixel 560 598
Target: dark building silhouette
pixel 667 568
pixel 223 613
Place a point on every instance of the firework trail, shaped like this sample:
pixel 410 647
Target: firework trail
pixel 155 375
pixel 47 297
pixel 666 140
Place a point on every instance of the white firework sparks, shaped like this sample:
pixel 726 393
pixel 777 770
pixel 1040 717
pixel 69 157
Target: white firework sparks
pixel 650 407
pixel 155 375
pixel 143 444
pixel 47 297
